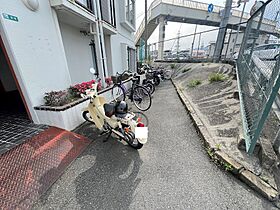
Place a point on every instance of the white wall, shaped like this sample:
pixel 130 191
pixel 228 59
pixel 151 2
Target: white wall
pixel 6 75
pixel 123 37
pixel 108 49
pixel 36 51
pixel 78 53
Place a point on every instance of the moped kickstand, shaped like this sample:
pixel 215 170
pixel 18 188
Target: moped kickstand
pixel 109 135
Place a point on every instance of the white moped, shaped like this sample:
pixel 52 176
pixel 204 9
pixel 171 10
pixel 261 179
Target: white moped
pixel 113 118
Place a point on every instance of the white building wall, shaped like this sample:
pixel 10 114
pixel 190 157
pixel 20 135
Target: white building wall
pixel 78 53
pixel 35 49
pixel 123 38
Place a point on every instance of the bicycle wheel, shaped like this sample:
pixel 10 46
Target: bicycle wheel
pixel 141 117
pixel 168 74
pixel 141 98
pixel 118 93
pixel 150 86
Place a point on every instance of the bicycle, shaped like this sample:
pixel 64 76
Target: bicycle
pixel 138 94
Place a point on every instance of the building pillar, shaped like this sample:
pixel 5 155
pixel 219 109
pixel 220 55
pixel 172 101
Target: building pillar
pixel 161 38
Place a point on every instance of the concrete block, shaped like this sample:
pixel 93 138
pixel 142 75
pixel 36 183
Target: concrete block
pixel 258 184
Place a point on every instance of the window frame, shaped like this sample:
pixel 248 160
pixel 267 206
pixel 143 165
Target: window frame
pixel 88 6
pixel 130 12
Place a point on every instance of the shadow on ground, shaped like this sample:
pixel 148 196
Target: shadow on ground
pixel 115 170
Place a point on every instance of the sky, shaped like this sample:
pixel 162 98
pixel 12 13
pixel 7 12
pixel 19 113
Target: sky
pixel 172 28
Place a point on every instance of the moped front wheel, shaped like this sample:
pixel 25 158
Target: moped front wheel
pixel 87 117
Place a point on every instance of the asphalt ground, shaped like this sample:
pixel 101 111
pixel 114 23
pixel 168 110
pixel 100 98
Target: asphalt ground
pixel 172 171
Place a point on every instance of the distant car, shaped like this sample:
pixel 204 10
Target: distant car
pixel 267 51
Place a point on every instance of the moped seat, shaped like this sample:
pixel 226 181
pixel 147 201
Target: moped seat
pixel 109 109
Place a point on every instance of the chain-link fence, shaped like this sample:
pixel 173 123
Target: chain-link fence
pixel 258 68
pixel 196 46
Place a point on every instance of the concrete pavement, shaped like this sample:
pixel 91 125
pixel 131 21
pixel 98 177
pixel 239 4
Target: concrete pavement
pixel 172 171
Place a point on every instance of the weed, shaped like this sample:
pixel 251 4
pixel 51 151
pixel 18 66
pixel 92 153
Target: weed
pixel 185 70
pixel 193 83
pixel 203 64
pixel 172 65
pixel 228 167
pixel 216 77
pixel 218 147
pixel 210 152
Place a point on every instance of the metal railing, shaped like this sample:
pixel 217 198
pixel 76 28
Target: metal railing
pixel 193 5
pixel 258 73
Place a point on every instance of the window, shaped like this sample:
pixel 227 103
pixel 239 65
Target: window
pixel 130 11
pixel 131 59
pixel 94 56
pixel 108 11
pixel 86 4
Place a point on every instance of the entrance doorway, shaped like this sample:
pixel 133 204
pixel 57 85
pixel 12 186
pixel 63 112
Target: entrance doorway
pixel 11 101
pixel 16 126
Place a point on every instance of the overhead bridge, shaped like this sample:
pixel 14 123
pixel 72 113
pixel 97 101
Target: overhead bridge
pixel 192 12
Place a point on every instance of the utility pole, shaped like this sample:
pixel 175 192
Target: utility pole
pixel 198 48
pixel 222 31
pixel 238 29
pixel 193 40
pixel 178 45
pixel 146 30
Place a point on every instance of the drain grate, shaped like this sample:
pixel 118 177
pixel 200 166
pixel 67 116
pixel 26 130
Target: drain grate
pixel 28 170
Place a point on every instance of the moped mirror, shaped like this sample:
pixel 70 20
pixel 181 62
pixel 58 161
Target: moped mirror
pixel 92 70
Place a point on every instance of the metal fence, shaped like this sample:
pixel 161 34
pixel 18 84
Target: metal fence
pixel 258 67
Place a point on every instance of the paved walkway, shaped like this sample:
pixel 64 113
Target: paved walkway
pixel 171 171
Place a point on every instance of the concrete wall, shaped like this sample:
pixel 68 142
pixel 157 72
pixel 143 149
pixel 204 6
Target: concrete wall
pixel 78 53
pixel 5 74
pixel 35 48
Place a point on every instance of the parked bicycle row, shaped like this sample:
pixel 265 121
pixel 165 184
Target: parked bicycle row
pixel 114 117
pixel 144 83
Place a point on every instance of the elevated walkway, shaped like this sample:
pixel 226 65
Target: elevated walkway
pixel 192 12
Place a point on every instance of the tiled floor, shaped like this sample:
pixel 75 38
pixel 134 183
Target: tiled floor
pixel 15 127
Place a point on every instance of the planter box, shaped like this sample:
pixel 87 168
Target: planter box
pixel 69 116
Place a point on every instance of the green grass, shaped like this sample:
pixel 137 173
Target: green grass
pixel 195 82
pixel 217 77
pixel 187 69
pixel 172 66
pixel 228 167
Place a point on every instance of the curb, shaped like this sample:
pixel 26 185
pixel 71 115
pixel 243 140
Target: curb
pixel 236 168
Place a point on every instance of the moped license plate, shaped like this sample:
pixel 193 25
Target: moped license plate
pixel 141 132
